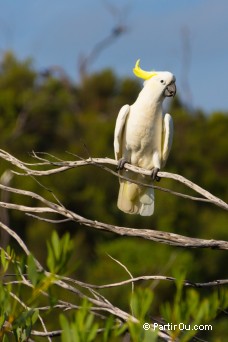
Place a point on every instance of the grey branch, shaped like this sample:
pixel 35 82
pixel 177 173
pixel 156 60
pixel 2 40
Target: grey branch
pixel 47 207
pixel 61 166
pixel 187 283
pixel 148 234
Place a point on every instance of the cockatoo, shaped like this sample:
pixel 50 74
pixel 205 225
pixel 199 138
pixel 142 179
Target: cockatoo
pixel 143 137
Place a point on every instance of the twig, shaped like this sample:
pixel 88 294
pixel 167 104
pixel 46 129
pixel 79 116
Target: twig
pixel 186 283
pixel 126 269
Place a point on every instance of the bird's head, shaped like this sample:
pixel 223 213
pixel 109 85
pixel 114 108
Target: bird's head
pixel 163 82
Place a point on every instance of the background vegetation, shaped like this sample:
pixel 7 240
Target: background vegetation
pixel 45 111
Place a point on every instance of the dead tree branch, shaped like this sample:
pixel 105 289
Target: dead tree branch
pixel 61 166
pixel 148 234
pixel 58 166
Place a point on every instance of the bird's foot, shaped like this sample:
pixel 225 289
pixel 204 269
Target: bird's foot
pixel 154 174
pixel 121 163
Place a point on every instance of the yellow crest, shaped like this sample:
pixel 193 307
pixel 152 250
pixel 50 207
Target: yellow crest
pixel 146 75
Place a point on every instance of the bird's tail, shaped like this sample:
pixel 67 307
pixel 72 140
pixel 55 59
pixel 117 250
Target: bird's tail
pixel 135 199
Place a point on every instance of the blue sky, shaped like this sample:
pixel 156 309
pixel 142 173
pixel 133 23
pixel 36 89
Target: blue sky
pixel 188 38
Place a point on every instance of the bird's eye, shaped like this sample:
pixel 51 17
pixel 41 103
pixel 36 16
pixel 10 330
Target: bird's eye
pixel 162 81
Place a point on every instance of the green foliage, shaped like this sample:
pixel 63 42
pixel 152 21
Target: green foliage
pixel 18 312
pixel 82 328
pixel 5 306
pixel 33 274
pixel 22 325
pixel 189 311
pixel 187 308
pixel 12 319
pixel 138 333
pixel 141 301
pixel 6 257
pixel 59 252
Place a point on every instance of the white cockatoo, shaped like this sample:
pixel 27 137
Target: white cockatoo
pixel 143 137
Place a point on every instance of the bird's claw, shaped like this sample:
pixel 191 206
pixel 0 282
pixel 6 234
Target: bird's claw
pixel 154 174
pixel 121 163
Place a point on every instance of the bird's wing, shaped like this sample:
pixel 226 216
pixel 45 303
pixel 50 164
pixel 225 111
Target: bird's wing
pixel 120 122
pixel 167 137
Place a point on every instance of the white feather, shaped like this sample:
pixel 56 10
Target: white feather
pixel 167 137
pixel 120 122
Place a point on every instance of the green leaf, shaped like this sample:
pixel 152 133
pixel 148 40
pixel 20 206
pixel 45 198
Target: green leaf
pixel 92 333
pixel 108 328
pixel 150 336
pixel 4 260
pixel 5 338
pixel 34 316
pixel 66 332
pixel 33 274
pixel 56 245
pixel 141 302
pixel 59 252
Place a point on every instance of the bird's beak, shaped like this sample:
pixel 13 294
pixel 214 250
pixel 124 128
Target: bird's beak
pixel 170 90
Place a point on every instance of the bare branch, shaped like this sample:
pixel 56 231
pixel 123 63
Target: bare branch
pixel 126 269
pixel 154 235
pixel 61 166
pixel 186 283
